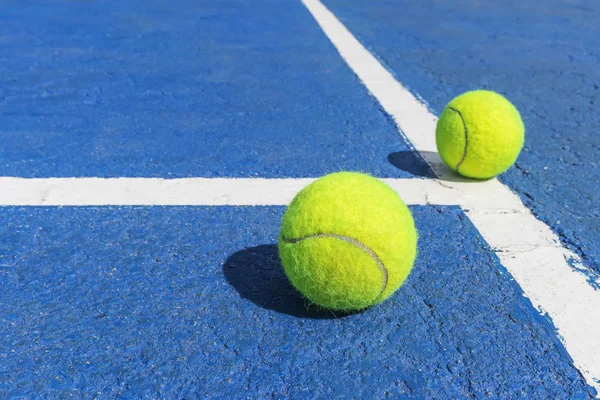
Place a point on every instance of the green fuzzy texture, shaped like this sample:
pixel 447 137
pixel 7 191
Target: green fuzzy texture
pixel 347 241
pixel 480 134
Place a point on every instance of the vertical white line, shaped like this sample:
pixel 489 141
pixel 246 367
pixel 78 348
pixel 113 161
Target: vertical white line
pixel 526 247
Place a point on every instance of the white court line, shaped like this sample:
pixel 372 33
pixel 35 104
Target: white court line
pixel 223 192
pixel 529 249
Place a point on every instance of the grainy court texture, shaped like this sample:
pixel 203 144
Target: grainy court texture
pixel 149 149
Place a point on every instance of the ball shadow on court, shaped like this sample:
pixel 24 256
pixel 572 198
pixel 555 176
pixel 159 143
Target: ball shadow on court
pixel 256 274
pixel 411 162
pixel 415 164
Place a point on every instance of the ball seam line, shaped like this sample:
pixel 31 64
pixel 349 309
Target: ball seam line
pixel 466 130
pixel 355 242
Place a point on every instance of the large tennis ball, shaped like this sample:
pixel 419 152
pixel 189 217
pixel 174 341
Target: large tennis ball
pixel 347 241
pixel 480 134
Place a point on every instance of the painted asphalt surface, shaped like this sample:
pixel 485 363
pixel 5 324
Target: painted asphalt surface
pixel 137 302
pixel 178 89
pixel 542 55
pixel 153 303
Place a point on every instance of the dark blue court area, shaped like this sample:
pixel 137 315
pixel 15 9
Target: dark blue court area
pixel 153 303
pixel 181 88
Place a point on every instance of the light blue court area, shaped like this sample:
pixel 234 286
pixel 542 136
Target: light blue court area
pixel 183 88
pixel 191 302
pixel 543 56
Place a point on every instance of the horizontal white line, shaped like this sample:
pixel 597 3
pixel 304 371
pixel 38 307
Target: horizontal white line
pixel 147 191
pixel 526 247
pixel 218 192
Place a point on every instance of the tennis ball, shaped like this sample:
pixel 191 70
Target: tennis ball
pixel 347 241
pixel 480 134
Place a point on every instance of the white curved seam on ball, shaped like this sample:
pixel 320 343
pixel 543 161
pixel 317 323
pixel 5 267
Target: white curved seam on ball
pixel 466 130
pixel 355 242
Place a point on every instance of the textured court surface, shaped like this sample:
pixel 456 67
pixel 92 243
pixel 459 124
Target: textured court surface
pixel 178 89
pixel 190 302
pixel 543 56
pixel 152 302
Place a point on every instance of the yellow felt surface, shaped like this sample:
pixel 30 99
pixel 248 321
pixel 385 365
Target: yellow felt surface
pixel 491 129
pixel 359 207
pixel 346 277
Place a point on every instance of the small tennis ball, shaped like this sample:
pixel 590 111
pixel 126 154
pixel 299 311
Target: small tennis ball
pixel 347 241
pixel 480 134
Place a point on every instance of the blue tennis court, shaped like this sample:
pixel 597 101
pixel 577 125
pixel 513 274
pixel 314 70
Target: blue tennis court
pixel 149 150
